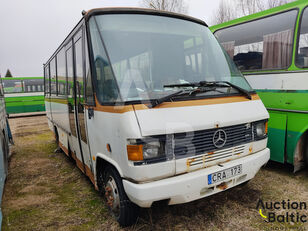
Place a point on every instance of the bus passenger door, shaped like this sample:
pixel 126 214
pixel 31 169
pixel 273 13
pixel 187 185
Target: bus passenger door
pixel 71 101
pixel 79 71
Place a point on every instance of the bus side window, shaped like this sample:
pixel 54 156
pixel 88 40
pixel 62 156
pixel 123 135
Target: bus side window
pixel 88 81
pixel 53 77
pixel 261 44
pixel 61 72
pixel 47 80
pixel 302 52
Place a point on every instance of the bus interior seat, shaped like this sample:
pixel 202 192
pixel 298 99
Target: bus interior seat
pixel 249 61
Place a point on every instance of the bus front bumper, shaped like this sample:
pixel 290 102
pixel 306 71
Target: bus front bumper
pixel 194 185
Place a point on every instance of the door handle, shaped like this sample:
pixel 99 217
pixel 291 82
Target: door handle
pixel 90 113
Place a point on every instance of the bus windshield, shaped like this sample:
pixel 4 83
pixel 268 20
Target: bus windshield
pixel 136 56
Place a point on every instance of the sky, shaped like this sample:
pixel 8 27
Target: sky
pixel 31 30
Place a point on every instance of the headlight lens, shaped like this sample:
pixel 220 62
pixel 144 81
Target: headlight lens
pixel 261 129
pixel 145 149
pixel 152 149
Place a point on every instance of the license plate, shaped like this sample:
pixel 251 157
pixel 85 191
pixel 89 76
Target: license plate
pixel 224 174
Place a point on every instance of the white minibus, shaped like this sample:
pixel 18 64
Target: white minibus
pixel 152 109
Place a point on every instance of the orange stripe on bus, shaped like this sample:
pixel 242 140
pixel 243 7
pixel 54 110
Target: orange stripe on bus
pixel 65 150
pixel 127 108
pixel 200 102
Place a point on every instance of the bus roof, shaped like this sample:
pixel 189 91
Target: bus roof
pixel 136 10
pixel 288 6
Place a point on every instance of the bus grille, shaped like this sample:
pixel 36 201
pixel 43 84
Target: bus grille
pixel 206 159
pixel 201 142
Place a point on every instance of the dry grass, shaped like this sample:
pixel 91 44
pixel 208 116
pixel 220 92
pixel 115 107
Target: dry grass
pixel 45 191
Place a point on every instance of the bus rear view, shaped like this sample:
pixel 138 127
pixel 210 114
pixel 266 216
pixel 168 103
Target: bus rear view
pixel 155 110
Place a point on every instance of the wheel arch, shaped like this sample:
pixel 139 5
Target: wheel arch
pixel 103 161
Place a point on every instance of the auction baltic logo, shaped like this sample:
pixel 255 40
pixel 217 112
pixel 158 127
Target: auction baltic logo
pixel 292 211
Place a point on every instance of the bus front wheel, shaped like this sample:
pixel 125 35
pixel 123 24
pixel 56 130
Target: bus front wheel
pixel 119 205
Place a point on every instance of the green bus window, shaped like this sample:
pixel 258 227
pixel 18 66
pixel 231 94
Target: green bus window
pixel 32 85
pixel 302 52
pixel 53 77
pixel 12 86
pixel 262 44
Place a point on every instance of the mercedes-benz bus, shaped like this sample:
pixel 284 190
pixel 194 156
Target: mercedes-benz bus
pixel 271 49
pixel 152 109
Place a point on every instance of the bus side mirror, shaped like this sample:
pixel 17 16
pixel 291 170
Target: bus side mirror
pixel 90 113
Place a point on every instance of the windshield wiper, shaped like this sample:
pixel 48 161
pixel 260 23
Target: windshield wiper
pixel 163 99
pixel 241 90
pixel 211 84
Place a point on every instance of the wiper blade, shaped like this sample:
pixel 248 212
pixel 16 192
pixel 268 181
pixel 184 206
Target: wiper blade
pixel 163 99
pixel 241 90
pixel 197 84
pixel 211 84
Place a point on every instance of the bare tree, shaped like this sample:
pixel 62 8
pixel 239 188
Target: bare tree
pixel 250 6
pixel 229 10
pixel 224 12
pixel 178 6
pixel 274 3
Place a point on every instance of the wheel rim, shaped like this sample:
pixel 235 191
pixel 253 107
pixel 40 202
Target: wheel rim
pixel 112 196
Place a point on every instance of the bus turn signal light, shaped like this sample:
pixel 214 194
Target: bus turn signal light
pixel 135 152
pixel 266 127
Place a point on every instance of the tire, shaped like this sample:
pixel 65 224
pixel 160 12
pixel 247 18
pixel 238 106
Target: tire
pixel 111 187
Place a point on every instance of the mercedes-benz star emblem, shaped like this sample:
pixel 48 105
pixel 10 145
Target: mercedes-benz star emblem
pixel 219 138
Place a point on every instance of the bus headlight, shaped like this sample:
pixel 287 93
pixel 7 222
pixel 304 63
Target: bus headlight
pixel 145 149
pixel 261 129
pixel 153 149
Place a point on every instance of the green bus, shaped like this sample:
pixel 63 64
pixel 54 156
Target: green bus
pixel 271 49
pixel 24 94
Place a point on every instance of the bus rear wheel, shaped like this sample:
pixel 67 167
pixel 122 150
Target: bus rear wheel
pixel 119 205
